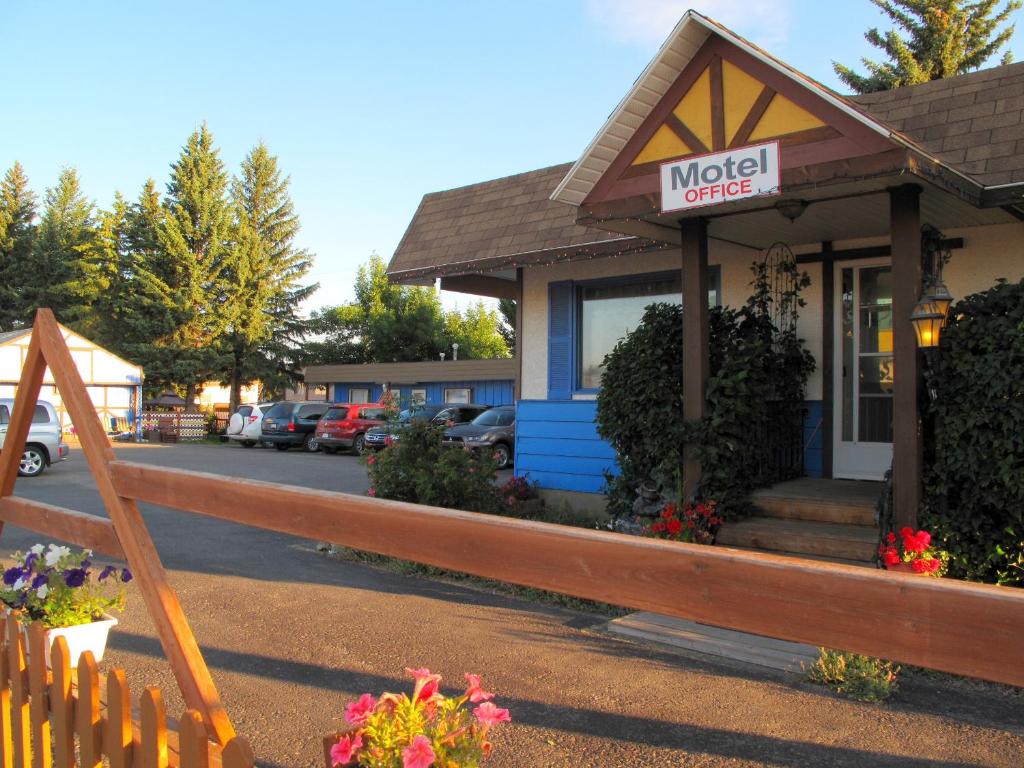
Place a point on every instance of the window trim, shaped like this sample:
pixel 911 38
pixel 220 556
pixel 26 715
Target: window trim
pixel 367 390
pixel 714 282
pixel 467 390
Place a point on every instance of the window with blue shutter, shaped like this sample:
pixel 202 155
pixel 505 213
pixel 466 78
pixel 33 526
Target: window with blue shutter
pixel 561 301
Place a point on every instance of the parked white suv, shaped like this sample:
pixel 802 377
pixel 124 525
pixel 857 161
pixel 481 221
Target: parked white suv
pixel 44 445
pixel 246 423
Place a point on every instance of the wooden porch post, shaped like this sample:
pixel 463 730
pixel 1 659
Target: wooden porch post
pixel 695 335
pixel 907 459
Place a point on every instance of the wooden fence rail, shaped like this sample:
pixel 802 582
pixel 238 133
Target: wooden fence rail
pixel 957 627
pixel 43 714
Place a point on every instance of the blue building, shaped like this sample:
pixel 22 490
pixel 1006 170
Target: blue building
pixel 487 382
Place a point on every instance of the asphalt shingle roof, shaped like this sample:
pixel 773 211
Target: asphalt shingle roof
pixel 973 123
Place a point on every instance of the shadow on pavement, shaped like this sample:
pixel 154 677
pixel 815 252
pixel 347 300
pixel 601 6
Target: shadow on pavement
pixel 591 722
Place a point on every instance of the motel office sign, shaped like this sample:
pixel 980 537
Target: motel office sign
pixel 720 177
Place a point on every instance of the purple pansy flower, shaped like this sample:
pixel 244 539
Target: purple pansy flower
pixel 74 577
pixel 107 572
pixel 39 580
pixel 11 575
pixel 30 559
pixel 126 575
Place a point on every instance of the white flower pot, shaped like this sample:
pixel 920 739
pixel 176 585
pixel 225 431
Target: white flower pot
pixel 80 638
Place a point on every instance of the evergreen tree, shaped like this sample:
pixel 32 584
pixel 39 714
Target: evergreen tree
pixel 265 288
pixel 64 273
pixel 192 266
pixel 17 216
pixel 943 38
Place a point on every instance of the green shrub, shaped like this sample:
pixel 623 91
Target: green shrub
pixel 974 479
pixel 640 405
pixel 419 469
pixel 863 678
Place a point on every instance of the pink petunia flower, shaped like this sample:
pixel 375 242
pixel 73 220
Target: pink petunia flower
pixel 358 711
pixel 346 748
pixel 419 754
pixel 426 683
pixel 475 693
pixel 371 491
pixel 488 714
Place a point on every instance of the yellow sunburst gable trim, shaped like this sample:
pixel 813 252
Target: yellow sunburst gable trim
pixel 662 145
pixel 739 92
pixel 783 117
pixel 694 109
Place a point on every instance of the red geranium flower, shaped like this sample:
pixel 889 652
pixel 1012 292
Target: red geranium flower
pixel 674 526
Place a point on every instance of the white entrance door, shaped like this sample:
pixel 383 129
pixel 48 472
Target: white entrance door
pixel 863 407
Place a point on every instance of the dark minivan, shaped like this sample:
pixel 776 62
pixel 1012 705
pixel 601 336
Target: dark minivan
pixel 293 423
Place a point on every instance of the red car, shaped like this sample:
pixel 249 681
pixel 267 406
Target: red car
pixel 344 425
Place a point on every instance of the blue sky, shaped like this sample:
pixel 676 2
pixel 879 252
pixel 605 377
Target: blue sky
pixel 367 105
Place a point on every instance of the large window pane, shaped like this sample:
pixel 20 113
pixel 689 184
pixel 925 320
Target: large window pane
pixel 609 312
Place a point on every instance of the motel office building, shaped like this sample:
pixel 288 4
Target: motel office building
pixel 585 246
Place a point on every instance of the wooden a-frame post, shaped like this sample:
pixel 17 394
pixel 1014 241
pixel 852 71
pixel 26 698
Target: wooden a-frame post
pixel 48 348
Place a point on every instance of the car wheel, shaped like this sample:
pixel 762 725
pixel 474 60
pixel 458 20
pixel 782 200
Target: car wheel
pixel 33 462
pixel 248 443
pixel 311 444
pixel 281 446
pixel 502 455
pixel 359 445
pixel 330 449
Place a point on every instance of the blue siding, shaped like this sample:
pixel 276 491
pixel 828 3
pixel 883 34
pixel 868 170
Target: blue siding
pixel 814 458
pixel 557 445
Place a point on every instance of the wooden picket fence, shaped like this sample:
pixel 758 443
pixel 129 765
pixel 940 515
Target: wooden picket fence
pixel 942 624
pixel 65 718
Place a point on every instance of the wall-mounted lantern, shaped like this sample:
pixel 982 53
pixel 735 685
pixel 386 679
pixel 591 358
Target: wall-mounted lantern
pixel 928 322
pixel 929 315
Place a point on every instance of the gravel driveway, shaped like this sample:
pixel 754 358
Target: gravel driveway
pixel 291 636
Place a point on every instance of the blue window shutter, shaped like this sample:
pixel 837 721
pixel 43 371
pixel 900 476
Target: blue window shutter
pixel 560 336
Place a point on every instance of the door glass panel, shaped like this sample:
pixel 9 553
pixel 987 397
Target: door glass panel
pixel 876 329
pixel 875 420
pixel 876 376
pixel 846 323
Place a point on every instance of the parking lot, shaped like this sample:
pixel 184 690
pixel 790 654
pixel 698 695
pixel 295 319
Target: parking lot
pixel 291 636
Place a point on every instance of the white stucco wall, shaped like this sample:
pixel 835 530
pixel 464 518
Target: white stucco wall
pixel 988 253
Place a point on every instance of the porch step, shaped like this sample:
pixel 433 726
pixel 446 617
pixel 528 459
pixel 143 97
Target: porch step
pixel 844 502
pixel 800 537
pixel 715 641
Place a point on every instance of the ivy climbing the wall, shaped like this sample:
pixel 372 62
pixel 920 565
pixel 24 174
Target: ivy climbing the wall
pixel 974 463
pixel 758 374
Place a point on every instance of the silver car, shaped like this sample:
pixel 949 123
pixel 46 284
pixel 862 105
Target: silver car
pixel 44 445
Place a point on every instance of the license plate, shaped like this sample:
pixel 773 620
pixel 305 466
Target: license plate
pixel 326 435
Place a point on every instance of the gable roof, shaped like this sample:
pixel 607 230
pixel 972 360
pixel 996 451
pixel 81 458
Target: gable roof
pixel 974 122
pixel 486 225
pixel 971 124
pixel 12 335
pixel 685 40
